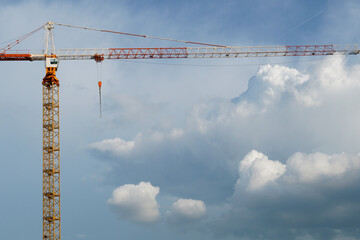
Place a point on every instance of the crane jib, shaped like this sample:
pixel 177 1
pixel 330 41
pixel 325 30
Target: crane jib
pixel 135 53
pixel 187 52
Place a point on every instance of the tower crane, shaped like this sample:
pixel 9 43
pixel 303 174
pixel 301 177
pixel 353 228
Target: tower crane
pixel 51 125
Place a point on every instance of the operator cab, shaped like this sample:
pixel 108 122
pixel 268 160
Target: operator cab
pixel 51 63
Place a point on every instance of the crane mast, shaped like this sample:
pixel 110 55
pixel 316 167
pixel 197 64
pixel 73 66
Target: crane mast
pixel 51 142
pixel 50 85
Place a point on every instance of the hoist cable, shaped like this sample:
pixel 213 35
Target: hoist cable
pixel 99 78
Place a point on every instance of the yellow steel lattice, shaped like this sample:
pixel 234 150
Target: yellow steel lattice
pixel 51 157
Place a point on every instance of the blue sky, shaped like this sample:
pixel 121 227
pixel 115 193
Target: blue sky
pixel 261 148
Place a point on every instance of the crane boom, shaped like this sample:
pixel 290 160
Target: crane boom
pixel 207 52
pixel 187 52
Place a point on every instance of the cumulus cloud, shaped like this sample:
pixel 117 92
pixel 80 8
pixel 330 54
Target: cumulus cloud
pixel 313 191
pixel 271 82
pixel 136 202
pixel 316 166
pixel 116 146
pixel 187 209
pixel 258 170
pixel 121 148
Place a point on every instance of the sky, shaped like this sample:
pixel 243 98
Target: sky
pixel 251 148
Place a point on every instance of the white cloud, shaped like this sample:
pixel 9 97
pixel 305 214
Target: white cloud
pixel 116 146
pixel 136 202
pixel 315 166
pixel 258 170
pixel 119 147
pixel 272 83
pixel 278 80
pixel 276 86
pixel 188 209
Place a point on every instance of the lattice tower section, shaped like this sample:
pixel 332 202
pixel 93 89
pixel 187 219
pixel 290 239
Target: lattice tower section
pixel 51 157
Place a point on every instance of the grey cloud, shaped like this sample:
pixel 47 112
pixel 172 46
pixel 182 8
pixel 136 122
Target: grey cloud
pixel 283 111
pixel 219 132
pixel 315 206
pixel 187 210
pixel 169 160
